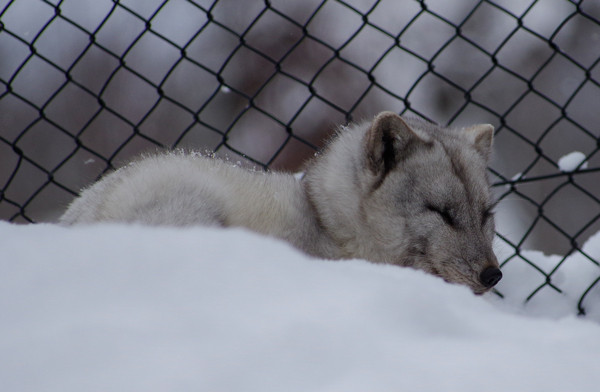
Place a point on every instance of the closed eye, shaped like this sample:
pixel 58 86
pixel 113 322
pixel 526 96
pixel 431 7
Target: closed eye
pixel 487 214
pixel 444 213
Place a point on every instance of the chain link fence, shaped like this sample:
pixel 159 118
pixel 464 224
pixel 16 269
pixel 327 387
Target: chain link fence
pixel 87 84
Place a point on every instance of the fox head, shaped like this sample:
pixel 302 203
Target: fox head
pixel 418 196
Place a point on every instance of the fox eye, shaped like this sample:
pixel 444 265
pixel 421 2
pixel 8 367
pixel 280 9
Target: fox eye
pixel 444 213
pixel 487 215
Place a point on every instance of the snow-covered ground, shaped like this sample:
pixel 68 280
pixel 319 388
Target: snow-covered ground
pixel 573 276
pixel 117 308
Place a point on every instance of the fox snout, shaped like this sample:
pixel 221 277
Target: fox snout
pixel 490 276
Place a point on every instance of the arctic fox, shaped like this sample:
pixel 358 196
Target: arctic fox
pixel 393 190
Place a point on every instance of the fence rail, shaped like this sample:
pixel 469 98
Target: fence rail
pixel 85 85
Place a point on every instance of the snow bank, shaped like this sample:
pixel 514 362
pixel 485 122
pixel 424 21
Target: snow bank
pixel 116 308
pixel 574 275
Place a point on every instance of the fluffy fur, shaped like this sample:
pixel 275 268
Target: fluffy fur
pixel 393 190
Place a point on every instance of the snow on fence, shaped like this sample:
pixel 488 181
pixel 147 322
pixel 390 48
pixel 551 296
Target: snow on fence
pixel 87 84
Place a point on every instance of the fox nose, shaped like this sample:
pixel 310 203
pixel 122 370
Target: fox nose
pixel 490 276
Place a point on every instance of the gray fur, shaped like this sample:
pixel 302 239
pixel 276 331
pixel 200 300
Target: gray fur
pixel 394 190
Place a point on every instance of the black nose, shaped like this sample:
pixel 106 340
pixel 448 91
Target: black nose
pixel 490 276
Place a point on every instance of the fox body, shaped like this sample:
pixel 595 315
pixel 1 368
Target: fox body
pixel 393 190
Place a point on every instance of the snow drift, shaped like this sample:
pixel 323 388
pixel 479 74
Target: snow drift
pixel 126 308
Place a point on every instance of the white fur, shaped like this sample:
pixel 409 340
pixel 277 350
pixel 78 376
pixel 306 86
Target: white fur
pixel 367 195
pixel 179 189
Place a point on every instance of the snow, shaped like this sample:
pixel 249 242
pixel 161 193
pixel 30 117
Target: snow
pixel 573 277
pixel 571 161
pixel 126 308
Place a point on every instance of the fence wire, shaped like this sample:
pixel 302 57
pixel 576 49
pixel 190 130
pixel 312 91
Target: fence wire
pixel 86 85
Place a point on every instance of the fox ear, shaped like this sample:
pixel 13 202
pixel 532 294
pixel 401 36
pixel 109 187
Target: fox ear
pixel 481 136
pixel 388 140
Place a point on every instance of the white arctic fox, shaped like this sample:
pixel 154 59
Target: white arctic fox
pixel 394 190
